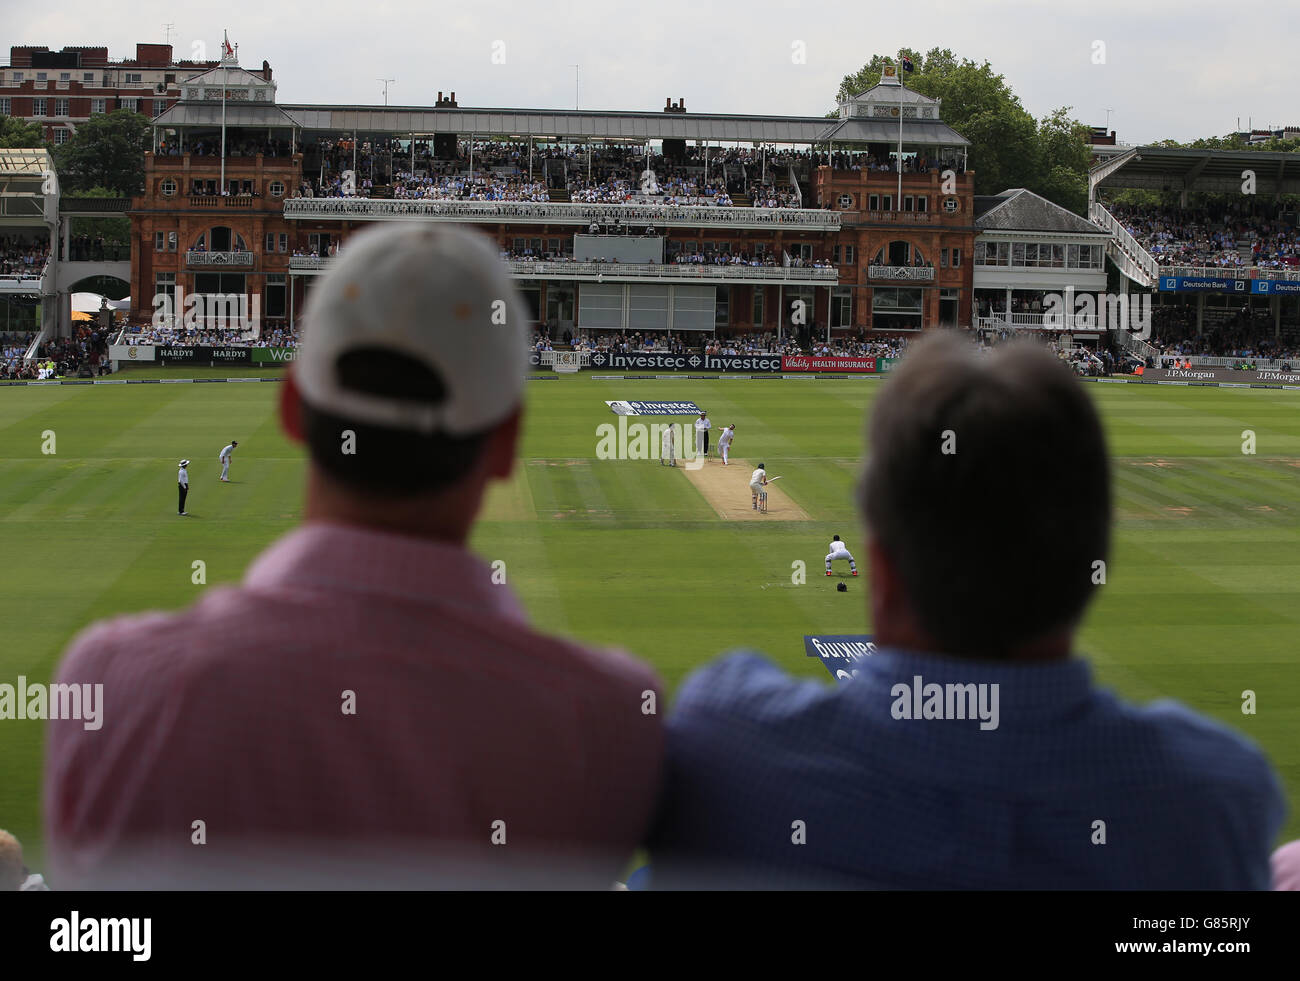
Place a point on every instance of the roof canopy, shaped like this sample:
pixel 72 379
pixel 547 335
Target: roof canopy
pixel 1210 171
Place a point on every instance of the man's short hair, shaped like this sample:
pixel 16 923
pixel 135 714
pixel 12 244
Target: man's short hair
pixel 988 486
pixel 392 462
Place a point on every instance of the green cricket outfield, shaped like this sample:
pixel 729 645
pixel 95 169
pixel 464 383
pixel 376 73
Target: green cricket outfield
pixel 1201 603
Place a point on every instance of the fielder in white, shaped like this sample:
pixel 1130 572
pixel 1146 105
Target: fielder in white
pixel 668 452
pixel 724 441
pixel 226 454
pixel 758 487
pixel 840 551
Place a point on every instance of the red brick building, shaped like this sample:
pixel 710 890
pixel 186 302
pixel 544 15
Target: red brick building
pixel 892 251
pixel 59 89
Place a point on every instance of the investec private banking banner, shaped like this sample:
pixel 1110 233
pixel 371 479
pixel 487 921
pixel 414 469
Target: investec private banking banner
pixel 839 652
pixel 654 408
pixel 205 355
pixel 1256 287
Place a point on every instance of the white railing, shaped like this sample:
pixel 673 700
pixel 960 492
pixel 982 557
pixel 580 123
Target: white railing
pixel 1230 272
pixel 562 213
pixel 20 282
pixel 528 269
pixel 1039 321
pixel 905 273
pixel 1127 252
pixel 218 258
pixel 902 217
pixel 1199 361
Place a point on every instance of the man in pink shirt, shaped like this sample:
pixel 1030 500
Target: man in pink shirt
pixel 368 708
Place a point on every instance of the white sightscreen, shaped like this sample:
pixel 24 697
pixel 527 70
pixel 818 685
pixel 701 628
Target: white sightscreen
pixel 694 307
pixel 600 306
pixel 647 307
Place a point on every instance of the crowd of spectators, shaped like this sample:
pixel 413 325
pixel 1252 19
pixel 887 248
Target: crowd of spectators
pixel 22 255
pixel 1247 335
pixel 236 146
pixel 1212 236
pixel 11 354
pixel 182 337
pixel 62 356
pixel 482 187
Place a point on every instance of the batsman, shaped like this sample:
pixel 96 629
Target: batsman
pixel 758 487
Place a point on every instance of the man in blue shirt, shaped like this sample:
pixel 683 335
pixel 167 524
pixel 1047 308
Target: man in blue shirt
pixel 973 750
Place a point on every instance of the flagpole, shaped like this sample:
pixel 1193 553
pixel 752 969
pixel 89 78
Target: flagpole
pixel 224 78
pixel 898 201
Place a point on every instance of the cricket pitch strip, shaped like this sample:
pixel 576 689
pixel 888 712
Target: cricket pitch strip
pixel 727 491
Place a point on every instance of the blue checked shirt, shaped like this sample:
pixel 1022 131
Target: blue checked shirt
pixel 1074 789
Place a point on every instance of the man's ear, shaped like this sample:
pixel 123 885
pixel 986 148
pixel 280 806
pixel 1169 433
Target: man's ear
pixel 886 591
pixel 499 457
pixel 291 409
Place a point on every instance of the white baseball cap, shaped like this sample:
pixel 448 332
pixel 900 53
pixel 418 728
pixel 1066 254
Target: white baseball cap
pixel 435 293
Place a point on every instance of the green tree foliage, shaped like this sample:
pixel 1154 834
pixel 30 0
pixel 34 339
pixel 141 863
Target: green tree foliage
pixel 1009 148
pixel 115 232
pixel 18 134
pixel 107 151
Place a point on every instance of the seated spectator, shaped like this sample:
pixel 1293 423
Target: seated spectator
pixel 414 718
pixel 1020 773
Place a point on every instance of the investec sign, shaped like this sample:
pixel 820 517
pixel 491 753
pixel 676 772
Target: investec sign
pixel 651 361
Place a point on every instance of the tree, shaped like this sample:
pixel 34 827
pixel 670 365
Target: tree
pixel 18 134
pixel 1008 147
pixel 1064 156
pixel 116 232
pixel 107 151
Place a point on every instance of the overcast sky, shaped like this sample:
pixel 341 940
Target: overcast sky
pixel 1169 69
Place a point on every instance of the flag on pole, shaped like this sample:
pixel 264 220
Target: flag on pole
pixel 229 51
pixel 907 64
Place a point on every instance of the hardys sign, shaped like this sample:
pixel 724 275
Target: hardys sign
pixel 204 355
pixel 839 652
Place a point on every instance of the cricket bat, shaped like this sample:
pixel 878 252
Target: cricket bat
pixel 770 479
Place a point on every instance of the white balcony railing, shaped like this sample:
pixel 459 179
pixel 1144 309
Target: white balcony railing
pixel 668 271
pixel 561 213
pixel 915 274
pixel 1133 260
pixel 218 258
pixel 1229 272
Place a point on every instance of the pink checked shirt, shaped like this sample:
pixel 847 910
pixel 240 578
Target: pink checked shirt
pixel 478 751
